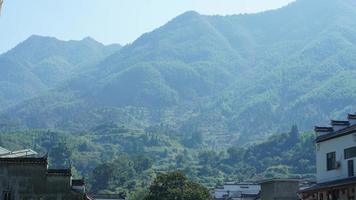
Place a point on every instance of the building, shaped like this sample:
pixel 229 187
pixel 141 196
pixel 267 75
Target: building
pixel 29 178
pixel 335 161
pixel 280 189
pixel 106 197
pixel 237 191
pixel 4 153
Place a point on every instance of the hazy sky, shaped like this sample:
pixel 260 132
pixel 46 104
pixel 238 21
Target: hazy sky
pixel 108 21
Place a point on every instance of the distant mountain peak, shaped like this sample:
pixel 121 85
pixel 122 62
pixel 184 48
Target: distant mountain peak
pixel 89 39
pixel 190 13
pixel 187 16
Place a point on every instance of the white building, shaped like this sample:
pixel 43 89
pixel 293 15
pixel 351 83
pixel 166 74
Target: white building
pixel 237 191
pixel 335 161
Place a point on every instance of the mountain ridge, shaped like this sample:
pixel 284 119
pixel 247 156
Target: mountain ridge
pixel 217 74
pixel 45 62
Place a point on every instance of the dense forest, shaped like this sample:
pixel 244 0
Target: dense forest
pixel 115 159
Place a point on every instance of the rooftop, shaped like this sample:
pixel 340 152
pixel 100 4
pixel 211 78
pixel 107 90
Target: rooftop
pixel 351 116
pixel 342 132
pixel 4 151
pixel 25 160
pixel 323 129
pixel 340 123
pixel 78 182
pixel 280 180
pixel 20 153
pixel 59 172
pixel 336 183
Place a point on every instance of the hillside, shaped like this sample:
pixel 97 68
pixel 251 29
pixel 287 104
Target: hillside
pixel 41 63
pixel 122 159
pixel 223 76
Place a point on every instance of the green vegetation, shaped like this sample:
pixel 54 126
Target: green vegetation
pixel 205 95
pixel 244 76
pixel 115 159
pixel 176 186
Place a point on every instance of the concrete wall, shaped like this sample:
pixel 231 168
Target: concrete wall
pixel 334 145
pixel 267 191
pixel 279 190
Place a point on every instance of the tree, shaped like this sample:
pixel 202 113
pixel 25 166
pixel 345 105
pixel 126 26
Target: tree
pixel 60 155
pixel 176 186
pixel 101 176
pixel 141 163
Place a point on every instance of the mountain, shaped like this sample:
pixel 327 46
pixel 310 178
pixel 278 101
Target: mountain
pixel 240 76
pixel 41 63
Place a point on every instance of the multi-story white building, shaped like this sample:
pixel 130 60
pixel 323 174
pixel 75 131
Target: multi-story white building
pixel 335 161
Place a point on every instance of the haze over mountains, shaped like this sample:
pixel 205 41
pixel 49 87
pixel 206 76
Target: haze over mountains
pixel 248 75
pixel 41 63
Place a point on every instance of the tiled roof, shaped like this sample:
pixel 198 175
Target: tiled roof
pixel 30 160
pixel 342 132
pixel 340 123
pixel 106 196
pixel 20 153
pixel 59 172
pixel 351 116
pixel 78 182
pixel 4 151
pixel 323 129
pixel 336 183
pixel 280 180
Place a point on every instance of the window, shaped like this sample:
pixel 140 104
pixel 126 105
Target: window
pixel 350 153
pixel 321 197
pixel 7 195
pixel 331 161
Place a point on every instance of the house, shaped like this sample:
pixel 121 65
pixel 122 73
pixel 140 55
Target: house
pixel 237 191
pixel 106 197
pixel 280 189
pixel 4 153
pixel 30 178
pixel 335 161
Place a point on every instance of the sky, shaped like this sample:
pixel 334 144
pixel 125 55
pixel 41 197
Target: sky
pixel 108 21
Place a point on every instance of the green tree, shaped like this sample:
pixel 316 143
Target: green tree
pixel 60 155
pixel 176 185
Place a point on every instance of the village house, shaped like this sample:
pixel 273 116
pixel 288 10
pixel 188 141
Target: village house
pixel 237 191
pixel 335 162
pixel 25 177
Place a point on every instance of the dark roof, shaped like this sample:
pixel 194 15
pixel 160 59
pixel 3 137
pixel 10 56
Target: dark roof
pixel 342 132
pixel 25 160
pixel 105 196
pixel 323 129
pixel 59 172
pixel 78 182
pixel 351 116
pixel 331 184
pixel 280 180
pixel 340 123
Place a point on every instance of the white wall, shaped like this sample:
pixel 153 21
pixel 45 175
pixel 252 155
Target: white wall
pixel 334 145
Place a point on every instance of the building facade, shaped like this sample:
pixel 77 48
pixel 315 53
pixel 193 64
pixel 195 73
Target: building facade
pixel 280 189
pixel 237 191
pixel 335 162
pixel 28 178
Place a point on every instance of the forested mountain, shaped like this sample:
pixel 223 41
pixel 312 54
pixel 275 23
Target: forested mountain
pixel 115 158
pixel 41 63
pixel 220 76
